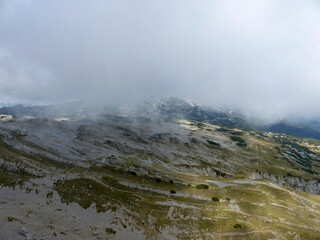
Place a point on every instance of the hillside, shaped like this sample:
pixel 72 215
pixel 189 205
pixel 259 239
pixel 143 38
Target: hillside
pixel 124 177
pixel 170 109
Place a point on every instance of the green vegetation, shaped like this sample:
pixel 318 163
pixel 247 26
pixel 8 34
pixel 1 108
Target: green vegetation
pixel 221 129
pixel 85 192
pixel 213 143
pixel 239 140
pixel 202 186
pixel 237 133
pixel 200 125
pixel 14 178
pixel 215 199
pixel 195 191
pixel 49 194
pixel 237 225
pixel 110 231
pixel 12 219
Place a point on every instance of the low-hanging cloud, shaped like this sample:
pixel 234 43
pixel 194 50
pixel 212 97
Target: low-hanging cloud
pixel 260 57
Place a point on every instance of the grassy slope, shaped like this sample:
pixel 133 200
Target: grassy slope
pixel 162 199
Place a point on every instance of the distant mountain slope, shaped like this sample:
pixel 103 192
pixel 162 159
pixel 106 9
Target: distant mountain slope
pixel 185 109
pixel 20 110
pixel 298 131
pixel 189 110
pixel 170 108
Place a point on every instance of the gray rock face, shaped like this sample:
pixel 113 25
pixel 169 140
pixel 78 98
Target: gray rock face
pixel 195 147
pixel 298 183
pixel 128 177
pixel 23 231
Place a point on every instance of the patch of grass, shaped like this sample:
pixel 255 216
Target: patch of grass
pixel 212 143
pixel 221 129
pixel 202 186
pixel 241 144
pixel 237 225
pixel 215 199
pixel 237 133
pixel 14 178
pixel 85 192
pixel 110 231
pixel 200 125
pixel 49 194
pixel 239 140
pixel 12 219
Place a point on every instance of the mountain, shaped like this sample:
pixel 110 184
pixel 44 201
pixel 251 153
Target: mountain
pixel 185 109
pixel 154 176
pixel 166 109
pixel 293 129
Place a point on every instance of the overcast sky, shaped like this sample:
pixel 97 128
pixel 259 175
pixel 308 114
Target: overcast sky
pixel 259 56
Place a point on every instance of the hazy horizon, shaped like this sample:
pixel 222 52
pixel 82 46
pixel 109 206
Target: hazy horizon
pixel 257 57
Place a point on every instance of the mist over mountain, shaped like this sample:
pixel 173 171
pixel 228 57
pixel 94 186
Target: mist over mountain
pixel 256 57
pixel 166 169
pixel 168 109
pixel 160 119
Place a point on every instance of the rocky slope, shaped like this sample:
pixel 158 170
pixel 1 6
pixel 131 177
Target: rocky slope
pixel 132 177
pixel 169 109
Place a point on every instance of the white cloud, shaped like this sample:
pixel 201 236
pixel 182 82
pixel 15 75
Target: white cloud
pixel 261 57
pixel 21 80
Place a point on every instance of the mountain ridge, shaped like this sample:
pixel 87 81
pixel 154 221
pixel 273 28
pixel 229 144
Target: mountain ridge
pixel 170 108
pixel 121 176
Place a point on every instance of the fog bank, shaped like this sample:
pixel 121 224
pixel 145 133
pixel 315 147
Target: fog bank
pixel 258 57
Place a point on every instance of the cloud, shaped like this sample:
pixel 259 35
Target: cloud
pixel 21 80
pixel 260 57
